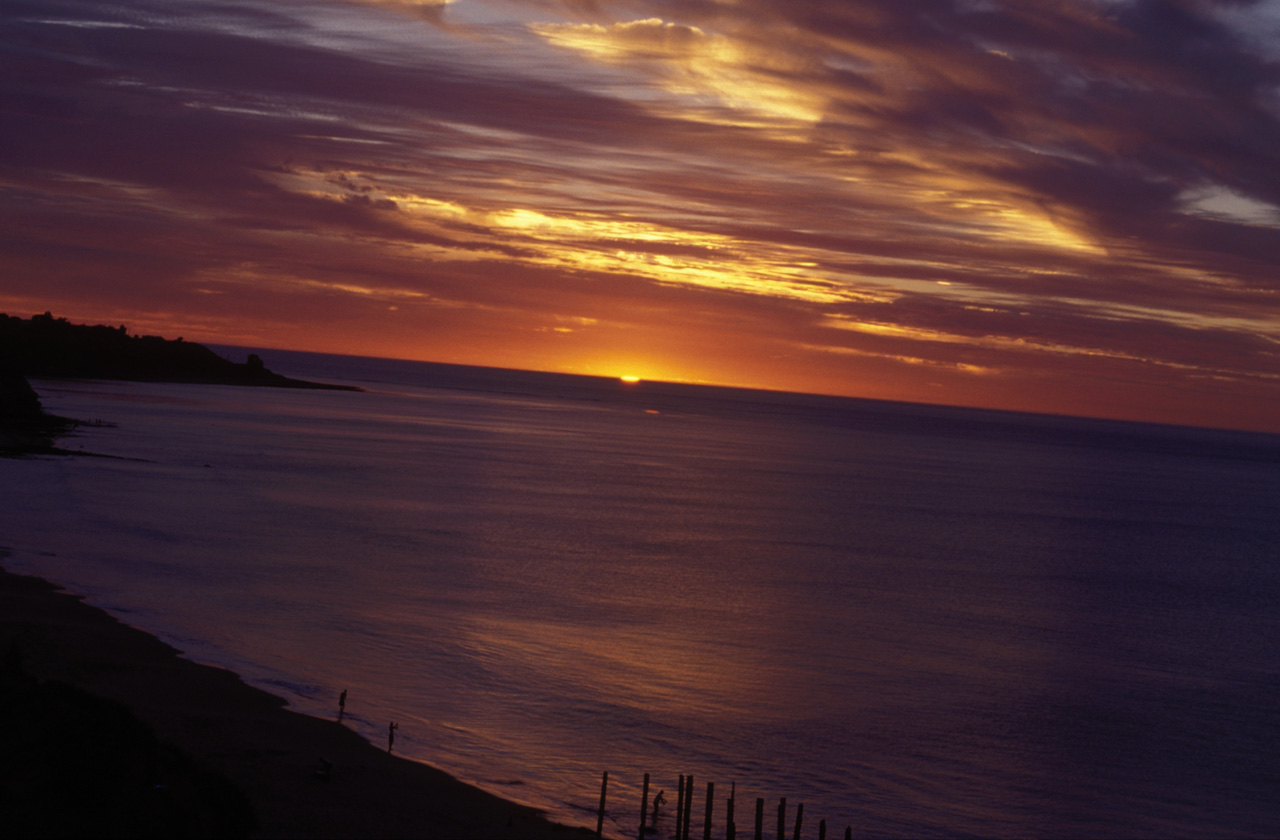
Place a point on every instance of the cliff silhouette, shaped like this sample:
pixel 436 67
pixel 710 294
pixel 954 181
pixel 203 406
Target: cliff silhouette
pixel 44 347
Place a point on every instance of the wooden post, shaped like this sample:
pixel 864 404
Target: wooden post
pixel 759 819
pixel 688 807
pixel 799 821
pixel 782 819
pixel 604 788
pixel 644 806
pixel 680 808
pixel 706 821
pixel 730 827
pixel 848 832
pixel 822 830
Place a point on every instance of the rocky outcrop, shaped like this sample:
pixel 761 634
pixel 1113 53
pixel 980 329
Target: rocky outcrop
pixel 18 401
pixel 25 428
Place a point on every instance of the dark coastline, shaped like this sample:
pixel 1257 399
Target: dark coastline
pixel 227 758
pixel 45 347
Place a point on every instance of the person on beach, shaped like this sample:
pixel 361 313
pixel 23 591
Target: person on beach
pixel 391 735
pixel 342 704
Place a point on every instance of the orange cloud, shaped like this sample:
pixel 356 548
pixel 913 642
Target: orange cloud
pixel 955 201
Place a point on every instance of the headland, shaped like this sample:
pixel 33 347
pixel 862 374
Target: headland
pixel 45 347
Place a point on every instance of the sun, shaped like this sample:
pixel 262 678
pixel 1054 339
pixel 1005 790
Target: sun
pixel 629 379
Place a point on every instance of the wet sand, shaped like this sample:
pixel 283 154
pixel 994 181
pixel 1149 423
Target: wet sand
pixel 245 735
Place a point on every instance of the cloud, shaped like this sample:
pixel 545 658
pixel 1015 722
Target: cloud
pixel 709 73
pixel 1088 186
pixel 429 10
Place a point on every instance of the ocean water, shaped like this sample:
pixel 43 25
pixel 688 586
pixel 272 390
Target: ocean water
pixel 916 621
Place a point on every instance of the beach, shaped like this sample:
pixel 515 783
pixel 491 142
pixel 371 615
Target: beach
pixel 222 726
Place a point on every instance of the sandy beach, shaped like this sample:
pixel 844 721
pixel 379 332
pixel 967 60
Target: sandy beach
pixel 223 731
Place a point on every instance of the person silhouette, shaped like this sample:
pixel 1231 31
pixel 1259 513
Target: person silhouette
pixel 657 800
pixel 391 735
pixel 342 704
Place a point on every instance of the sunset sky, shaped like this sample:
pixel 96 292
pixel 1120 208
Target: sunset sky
pixel 1067 206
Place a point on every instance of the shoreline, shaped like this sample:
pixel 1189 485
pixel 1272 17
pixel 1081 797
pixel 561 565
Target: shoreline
pixel 246 735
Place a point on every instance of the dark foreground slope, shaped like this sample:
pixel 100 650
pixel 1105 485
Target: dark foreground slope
pixel 25 427
pixel 78 765
pixel 44 347
pixel 107 732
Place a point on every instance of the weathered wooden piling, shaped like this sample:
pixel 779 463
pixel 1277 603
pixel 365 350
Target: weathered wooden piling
pixel 604 789
pixel 822 830
pixel 730 827
pixel 680 809
pixel 799 821
pixel 706 821
pixel 644 807
pixel 688 807
pixel 848 832
pixel 759 819
pixel 782 819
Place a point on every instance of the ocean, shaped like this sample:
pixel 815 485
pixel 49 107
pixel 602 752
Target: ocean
pixel 917 621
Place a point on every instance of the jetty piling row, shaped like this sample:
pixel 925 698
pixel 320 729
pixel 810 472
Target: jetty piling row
pixel 684 809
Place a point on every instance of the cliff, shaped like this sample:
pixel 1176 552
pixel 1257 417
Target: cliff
pixel 45 347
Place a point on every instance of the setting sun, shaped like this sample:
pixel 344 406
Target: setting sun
pixel 629 378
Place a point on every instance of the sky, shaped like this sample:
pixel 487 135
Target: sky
pixel 1061 206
